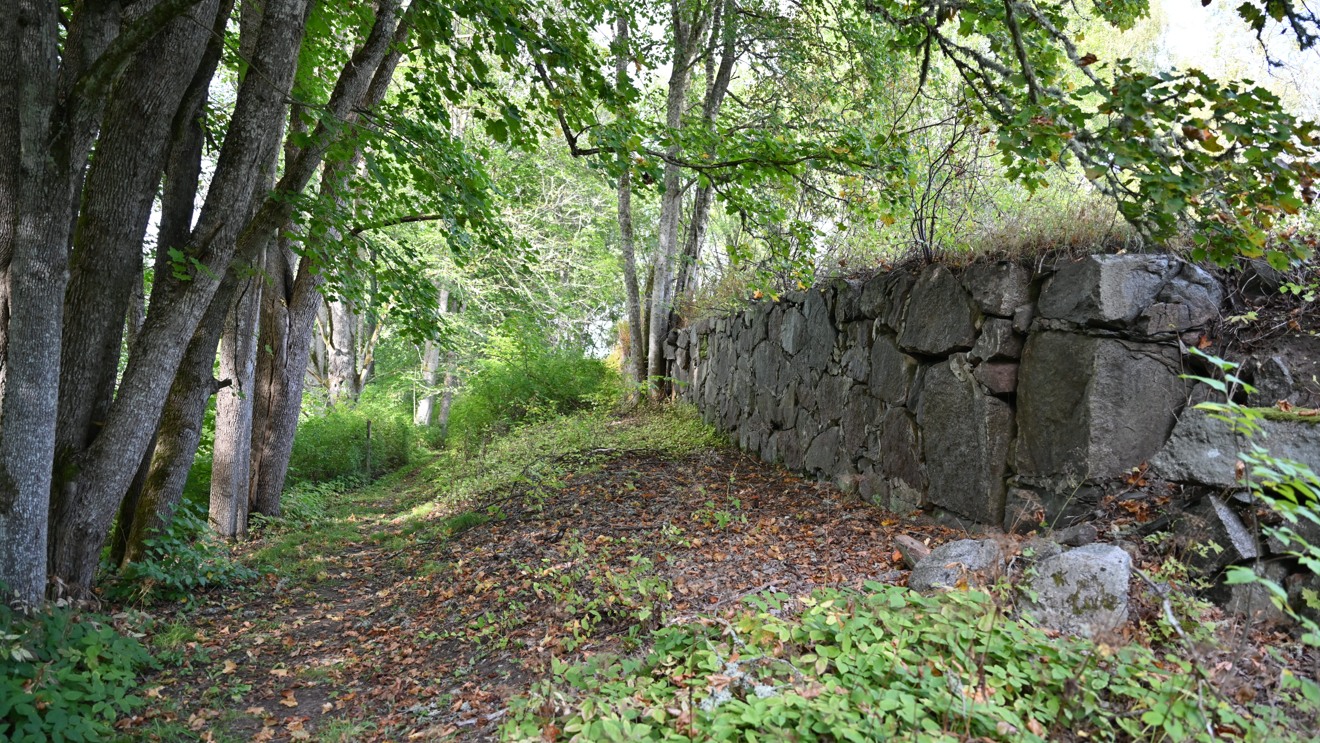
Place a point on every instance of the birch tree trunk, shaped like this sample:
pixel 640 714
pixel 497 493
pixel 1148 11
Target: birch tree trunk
pixel 718 77
pixel 424 415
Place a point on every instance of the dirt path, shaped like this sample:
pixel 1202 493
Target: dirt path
pixel 425 627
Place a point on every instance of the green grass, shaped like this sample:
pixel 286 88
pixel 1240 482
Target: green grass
pixel 433 500
pixel 1274 414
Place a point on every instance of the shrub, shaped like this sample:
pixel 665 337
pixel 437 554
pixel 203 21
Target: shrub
pixel 65 675
pixel 525 378
pixel 334 446
pixel 184 558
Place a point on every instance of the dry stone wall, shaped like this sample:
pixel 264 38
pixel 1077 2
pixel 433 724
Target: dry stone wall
pixel 1000 394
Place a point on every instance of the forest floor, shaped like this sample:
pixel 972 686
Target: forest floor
pixel 424 602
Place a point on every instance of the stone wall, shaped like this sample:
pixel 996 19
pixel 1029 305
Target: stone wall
pixel 1000 394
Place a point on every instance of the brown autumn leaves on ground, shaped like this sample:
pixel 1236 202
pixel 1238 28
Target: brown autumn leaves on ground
pixel 420 621
pixel 427 637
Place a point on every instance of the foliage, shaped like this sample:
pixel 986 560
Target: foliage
pixel 525 377
pixel 1289 488
pixel 1176 149
pixel 65 675
pixel 334 446
pixel 886 664
pixel 183 559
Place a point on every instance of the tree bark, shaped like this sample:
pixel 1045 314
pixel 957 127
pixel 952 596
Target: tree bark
pixel 119 189
pixel 688 33
pixel 627 245
pixel 232 457
pixel 180 430
pixel 271 458
pixel 718 78
pixel 104 471
pixel 341 349
pixel 35 286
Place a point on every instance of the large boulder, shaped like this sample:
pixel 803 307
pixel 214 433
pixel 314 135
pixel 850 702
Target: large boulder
pixel 941 317
pixel 1081 592
pixel 961 564
pixel 965 439
pixel 1150 294
pixel 1094 407
pixel 1204 450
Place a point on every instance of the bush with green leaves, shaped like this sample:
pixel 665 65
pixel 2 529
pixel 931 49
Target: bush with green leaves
pixel 334 446
pixel 1289 488
pixel 65 675
pixel 891 664
pixel 184 558
pixel 524 378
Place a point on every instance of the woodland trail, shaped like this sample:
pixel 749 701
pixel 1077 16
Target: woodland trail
pixel 422 622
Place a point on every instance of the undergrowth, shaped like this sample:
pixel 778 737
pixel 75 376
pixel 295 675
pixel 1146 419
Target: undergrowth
pixel 891 664
pixel 65 675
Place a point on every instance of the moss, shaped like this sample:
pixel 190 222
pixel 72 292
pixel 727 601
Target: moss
pixel 1274 414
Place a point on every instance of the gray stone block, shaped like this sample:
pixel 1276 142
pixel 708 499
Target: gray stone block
pixel 1205 450
pixel 999 287
pixel 1092 407
pixel 856 359
pixel 892 371
pixel 793 331
pixel 997 342
pixel 1082 591
pixel 1150 294
pixel 885 299
pixel 998 377
pixel 969 562
pixel 823 453
pixel 896 451
pixel 941 317
pixel 965 437
pixel 1214 537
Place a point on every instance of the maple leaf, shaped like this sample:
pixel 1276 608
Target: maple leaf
pixel 289 700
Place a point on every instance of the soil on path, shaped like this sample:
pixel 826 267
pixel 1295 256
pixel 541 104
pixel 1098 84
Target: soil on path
pixel 425 632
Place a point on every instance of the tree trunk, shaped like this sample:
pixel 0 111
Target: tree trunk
pixel 447 395
pixel 341 348
pixel 424 415
pixel 119 189
pixel 717 85
pixel 103 472
pixel 232 458
pixel 271 463
pixel 37 209
pixel 636 359
pixel 687 42
pixel 180 429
